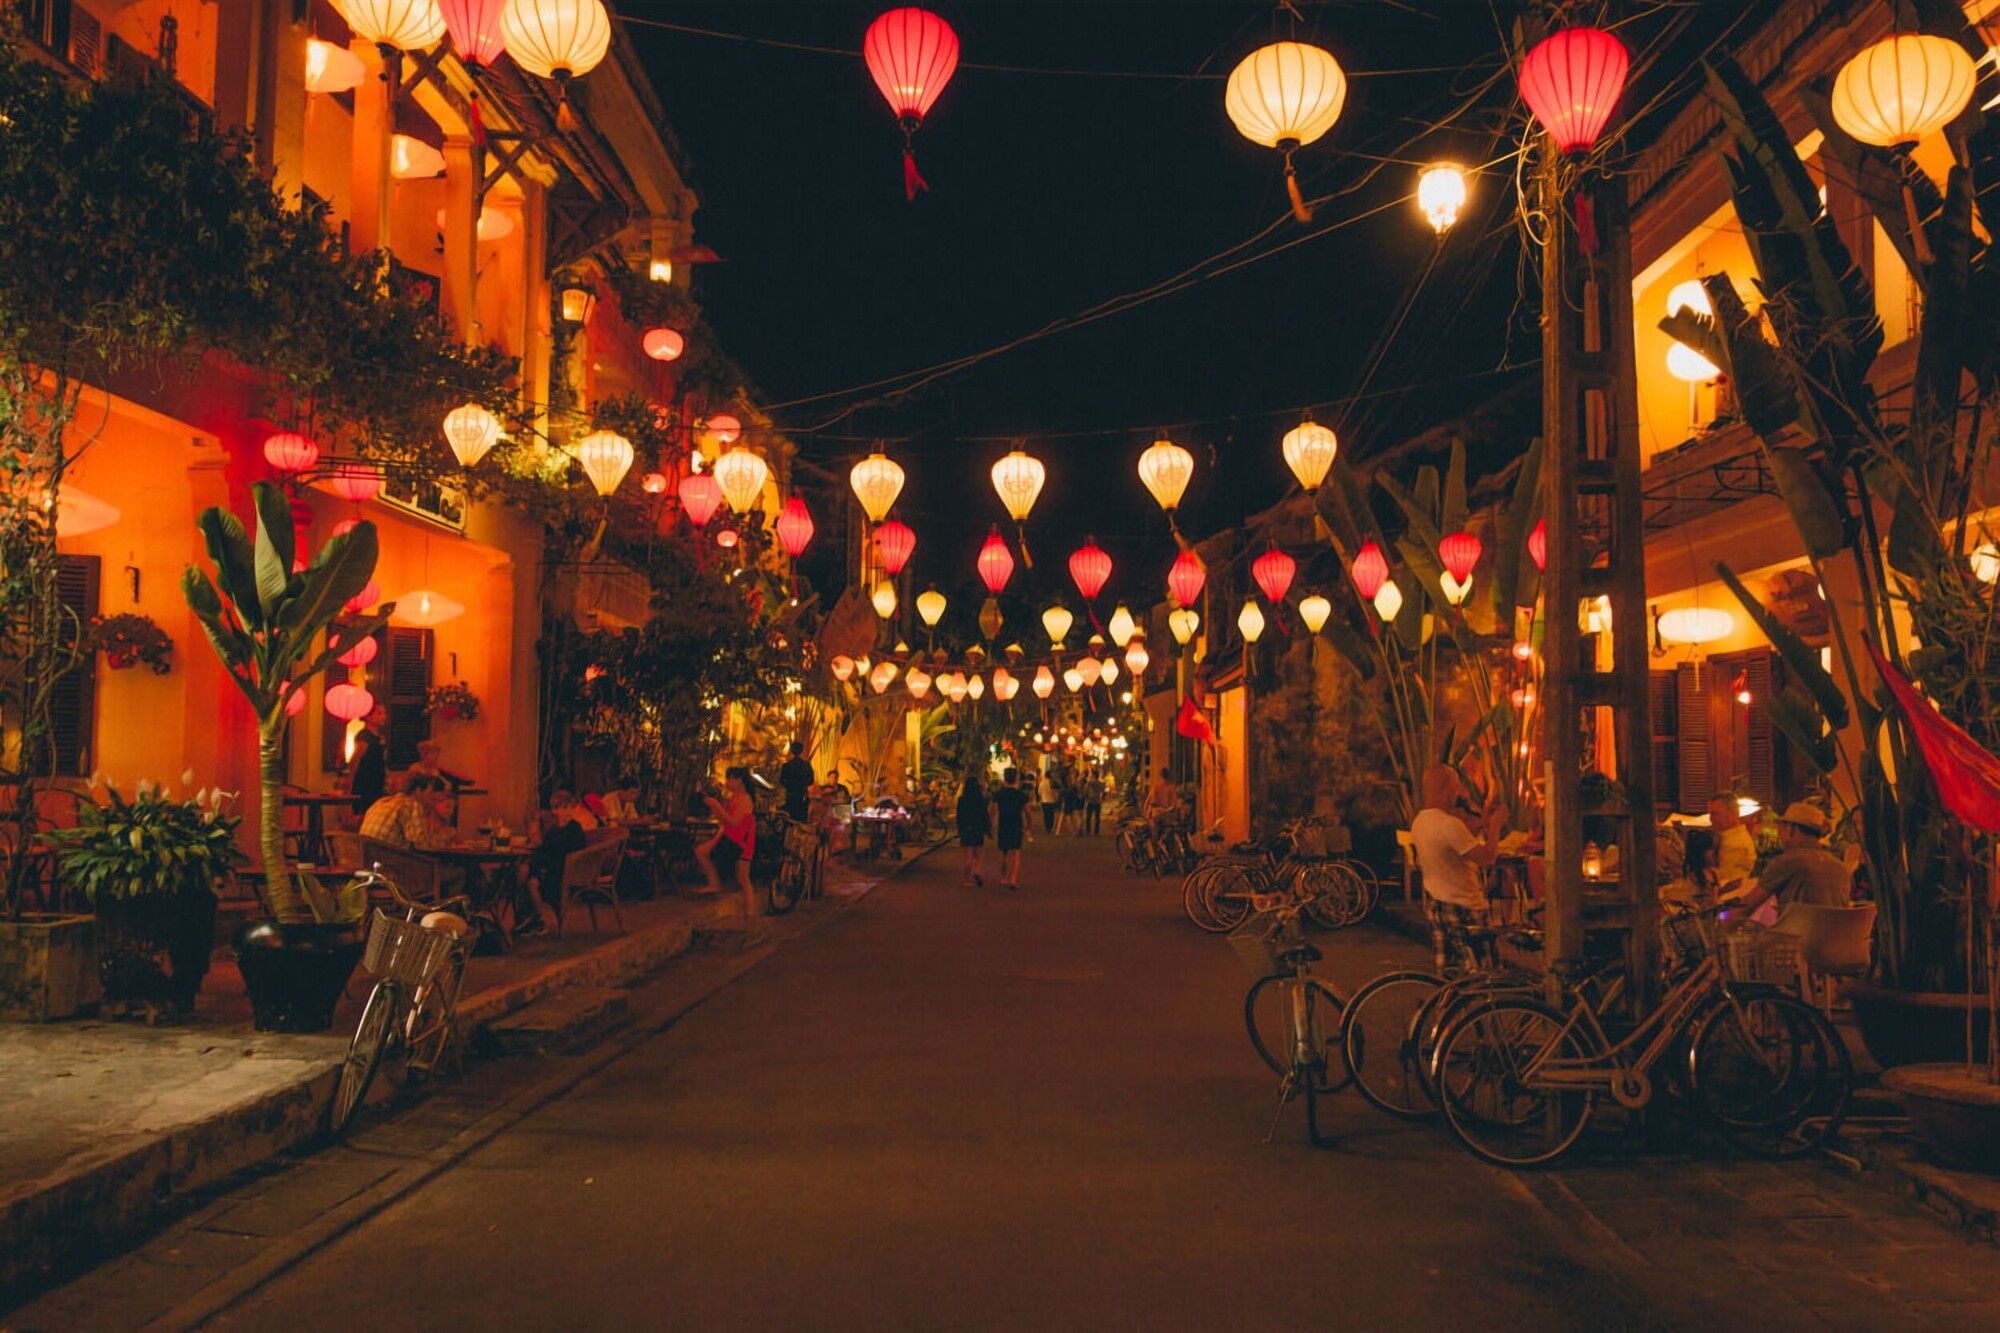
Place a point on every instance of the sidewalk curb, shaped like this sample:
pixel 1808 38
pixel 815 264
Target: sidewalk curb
pixel 1962 1200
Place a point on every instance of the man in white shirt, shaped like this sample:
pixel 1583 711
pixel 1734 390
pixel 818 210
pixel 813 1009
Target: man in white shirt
pixel 1735 848
pixel 1453 860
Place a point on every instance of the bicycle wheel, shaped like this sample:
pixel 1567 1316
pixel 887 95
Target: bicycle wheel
pixel 1371 883
pixel 1194 899
pixel 816 884
pixel 1334 897
pixel 1226 896
pixel 426 1031
pixel 1267 1014
pixel 1489 1085
pixel 1453 998
pixel 1772 1074
pixel 1379 1040
pixel 364 1055
pixel 787 885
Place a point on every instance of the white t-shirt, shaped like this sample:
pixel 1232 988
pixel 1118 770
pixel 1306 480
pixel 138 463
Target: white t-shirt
pixel 1737 857
pixel 1441 841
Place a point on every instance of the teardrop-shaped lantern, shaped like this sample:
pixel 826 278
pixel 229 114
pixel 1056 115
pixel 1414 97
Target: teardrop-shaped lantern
pixel 883 676
pixel 877 481
pixel 895 542
pixel 990 619
pixel 290 452
pixel 1902 88
pixel 975 687
pixel 1572 81
pixel 1388 600
pixel 741 474
pixel 1309 453
pixel 471 431
pixel 1314 611
pixel 1073 678
pixel 912 54
pixel 842 666
pixel 1460 553
pixel 1045 682
pixel 918 682
pixel 1538 544
pixel 1089 567
pixel 794 527
pixel 1182 624
pixel 1285 96
pixel 1273 571
pixel 606 457
pixel 1185 579
pixel 996 563
pixel 1371 567
pixel 1137 659
pixel 884 599
pixel 1165 470
pixel 1090 669
pixel 1121 627
pixel 400 25
pixel 1057 621
pixel 931 606
pixel 1018 479
pixel 1250 621
pixel 701 496
pixel 475 30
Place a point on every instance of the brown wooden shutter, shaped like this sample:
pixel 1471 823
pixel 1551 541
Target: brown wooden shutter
pixel 73 702
pixel 404 672
pixel 1697 746
pixel 1666 740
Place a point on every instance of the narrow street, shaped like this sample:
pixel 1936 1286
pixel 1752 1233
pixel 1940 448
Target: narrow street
pixel 974 1109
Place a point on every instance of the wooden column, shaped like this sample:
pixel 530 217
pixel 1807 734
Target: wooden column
pixel 463 167
pixel 1595 531
pixel 374 123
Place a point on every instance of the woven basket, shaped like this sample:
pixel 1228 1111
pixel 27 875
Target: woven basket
pixel 405 951
pixel 1761 956
pixel 1260 940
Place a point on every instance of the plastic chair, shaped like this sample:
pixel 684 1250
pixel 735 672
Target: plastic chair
pixel 1833 942
pixel 590 877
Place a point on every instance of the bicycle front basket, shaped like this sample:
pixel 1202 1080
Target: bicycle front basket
pixel 405 951
pixel 1260 940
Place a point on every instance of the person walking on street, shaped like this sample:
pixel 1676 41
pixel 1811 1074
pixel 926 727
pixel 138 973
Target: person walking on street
pixel 1093 804
pixel 796 778
pixel 1049 796
pixel 1010 826
pixel 1071 818
pixel 975 822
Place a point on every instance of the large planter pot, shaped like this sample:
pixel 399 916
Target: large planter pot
pixel 48 966
pixel 295 974
pixel 1955 1111
pixel 153 951
pixel 1916 1027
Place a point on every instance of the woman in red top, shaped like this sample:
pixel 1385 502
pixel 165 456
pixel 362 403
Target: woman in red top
pixel 731 847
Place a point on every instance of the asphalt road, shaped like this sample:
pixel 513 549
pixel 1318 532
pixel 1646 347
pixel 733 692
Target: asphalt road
pixel 953 1108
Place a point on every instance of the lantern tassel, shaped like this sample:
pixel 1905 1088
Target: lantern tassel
pixel 1299 209
pixel 478 122
pixel 1021 532
pixel 566 121
pixel 1920 244
pixel 912 180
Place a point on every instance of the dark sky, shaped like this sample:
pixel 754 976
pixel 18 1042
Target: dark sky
pixel 1053 193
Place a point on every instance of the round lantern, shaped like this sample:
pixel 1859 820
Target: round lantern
pixel 884 599
pixel 290 452
pixel 1089 567
pixel 1182 624
pixel 557 39
pixel 727 538
pixel 361 654
pixel 894 543
pixel 471 431
pixel 1273 572
pixel 1137 659
pixel 1285 96
pixel 930 606
pixel 349 703
pixel 331 69
pixel 1018 478
pixel 356 483
pixel 919 682
pixel 843 666
pixel 1388 600
pixel 742 475
pixel 371 593
pixel 654 483
pixel 398 25
pixel 1696 625
pixel 795 527
pixel 882 676
pixel 1184 580
pixel 1460 552
pixel 1902 88
pixel 1441 195
pixel 1165 469
pixel 663 344
pixel 1073 678
pixel 295 700
pixel 912 54
pixel 1313 611
pixel 1572 81
pixel 1121 627
pixel 1005 687
pixel 996 563
pixel 475 31
pixel 724 428
pixel 1690 366
pixel 606 457
pixel 701 496
pixel 1045 682
pixel 1057 620
pixel 1370 569
pixel 1538 544
pixel 1090 669
pixel 877 481
pixel 1250 620
pixel 1309 450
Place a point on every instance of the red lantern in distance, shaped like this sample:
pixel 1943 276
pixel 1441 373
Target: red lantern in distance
pixel 1538 545
pixel 1090 566
pixel 894 544
pixel 700 495
pixel 795 527
pixel 654 483
pixel 1460 552
pixel 357 483
pixel 663 344
pixel 1572 81
pixel 996 563
pixel 1273 571
pixel 1371 571
pixel 361 654
pixel 912 54
pixel 289 452
pixel 1184 580
pixel 474 26
pixel 349 703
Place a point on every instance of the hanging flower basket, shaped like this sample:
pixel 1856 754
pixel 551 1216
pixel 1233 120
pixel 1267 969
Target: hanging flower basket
pixel 128 640
pixel 453 703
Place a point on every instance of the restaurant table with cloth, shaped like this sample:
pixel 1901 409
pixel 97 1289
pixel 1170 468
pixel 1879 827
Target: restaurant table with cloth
pixel 882 829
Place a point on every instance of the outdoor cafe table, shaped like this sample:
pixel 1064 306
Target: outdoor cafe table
pixel 313 846
pixel 492 880
pixel 881 827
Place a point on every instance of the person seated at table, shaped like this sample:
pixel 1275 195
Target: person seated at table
pixel 1736 848
pixel 735 841
pixel 417 818
pixel 837 792
pixel 621 804
pixel 1696 887
pixel 1805 872
pixel 563 829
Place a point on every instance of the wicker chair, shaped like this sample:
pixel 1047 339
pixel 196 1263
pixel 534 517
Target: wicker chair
pixel 417 875
pixel 590 877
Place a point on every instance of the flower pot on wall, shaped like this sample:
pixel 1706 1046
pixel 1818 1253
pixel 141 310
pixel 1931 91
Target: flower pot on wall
pixel 48 966
pixel 1916 1027
pixel 1955 1111
pixel 295 974
pixel 153 951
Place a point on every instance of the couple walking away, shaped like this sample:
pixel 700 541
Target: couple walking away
pixel 1003 817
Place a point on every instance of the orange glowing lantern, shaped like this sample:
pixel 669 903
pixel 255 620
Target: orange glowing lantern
pixel 996 563
pixel 356 483
pixel 653 483
pixel 1538 544
pixel 1273 572
pixel 894 544
pixel 701 496
pixel 1185 579
pixel 663 344
pixel 290 452
pixel 912 54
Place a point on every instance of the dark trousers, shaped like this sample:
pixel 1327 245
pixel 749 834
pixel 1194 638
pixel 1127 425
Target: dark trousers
pixel 1048 816
pixel 1093 815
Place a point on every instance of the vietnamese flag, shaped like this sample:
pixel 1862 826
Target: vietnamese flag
pixel 1967 777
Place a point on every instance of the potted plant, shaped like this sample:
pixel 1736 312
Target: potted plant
pixel 148 866
pixel 128 640
pixel 454 702
pixel 273 629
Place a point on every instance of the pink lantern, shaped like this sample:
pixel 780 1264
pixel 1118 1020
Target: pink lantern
pixel 700 496
pixel 1273 571
pixel 367 597
pixel 357 483
pixel 1538 544
pixel 663 344
pixel 996 563
pixel 1460 552
pixel 895 543
pixel 1090 566
pixel 795 527
pixel 912 54
pixel 727 538
pixel 1371 571
pixel 361 654
pixel 295 701
pixel 1185 579
pixel 725 428
pixel 1572 81
pixel 290 452
pixel 349 703
pixel 474 26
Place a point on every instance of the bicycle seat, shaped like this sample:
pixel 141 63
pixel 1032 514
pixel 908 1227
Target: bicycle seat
pixel 1301 953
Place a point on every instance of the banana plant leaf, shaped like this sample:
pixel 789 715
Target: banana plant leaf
pixel 1801 659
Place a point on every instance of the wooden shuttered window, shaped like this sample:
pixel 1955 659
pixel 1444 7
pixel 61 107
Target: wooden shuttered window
pixel 1719 743
pixel 1666 746
pixel 400 680
pixel 73 702
pixel 1696 748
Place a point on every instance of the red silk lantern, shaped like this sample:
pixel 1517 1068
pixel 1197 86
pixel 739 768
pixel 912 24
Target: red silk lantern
pixel 996 563
pixel 1371 571
pixel 1460 552
pixel 371 593
pixel 663 344
pixel 349 703
pixel 700 495
pixel 795 527
pixel 357 483
pixel 474 26
pixel 894 543
pixel 1089 566
pixel 1273 571
pixel 295 701
pixel 361 654
pixel 1571 81
pixel 289 452
pixel 653 483
pixel 1538 544
pixel 912 54
pixel 1184 580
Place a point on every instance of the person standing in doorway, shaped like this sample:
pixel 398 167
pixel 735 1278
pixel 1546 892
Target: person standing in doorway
pixel 796 778
pixel 1050 798
pixel 367 776
pixel 975 823
pixel 1010 826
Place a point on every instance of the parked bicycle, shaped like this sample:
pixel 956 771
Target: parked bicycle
pixel 1217 894
pixel 408 1029
pixel 1293 1017
pixel 801 865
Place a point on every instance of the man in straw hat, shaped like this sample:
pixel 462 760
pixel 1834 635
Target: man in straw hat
pixel 1805 872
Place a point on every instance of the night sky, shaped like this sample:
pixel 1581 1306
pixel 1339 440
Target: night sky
pixel 1053 193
